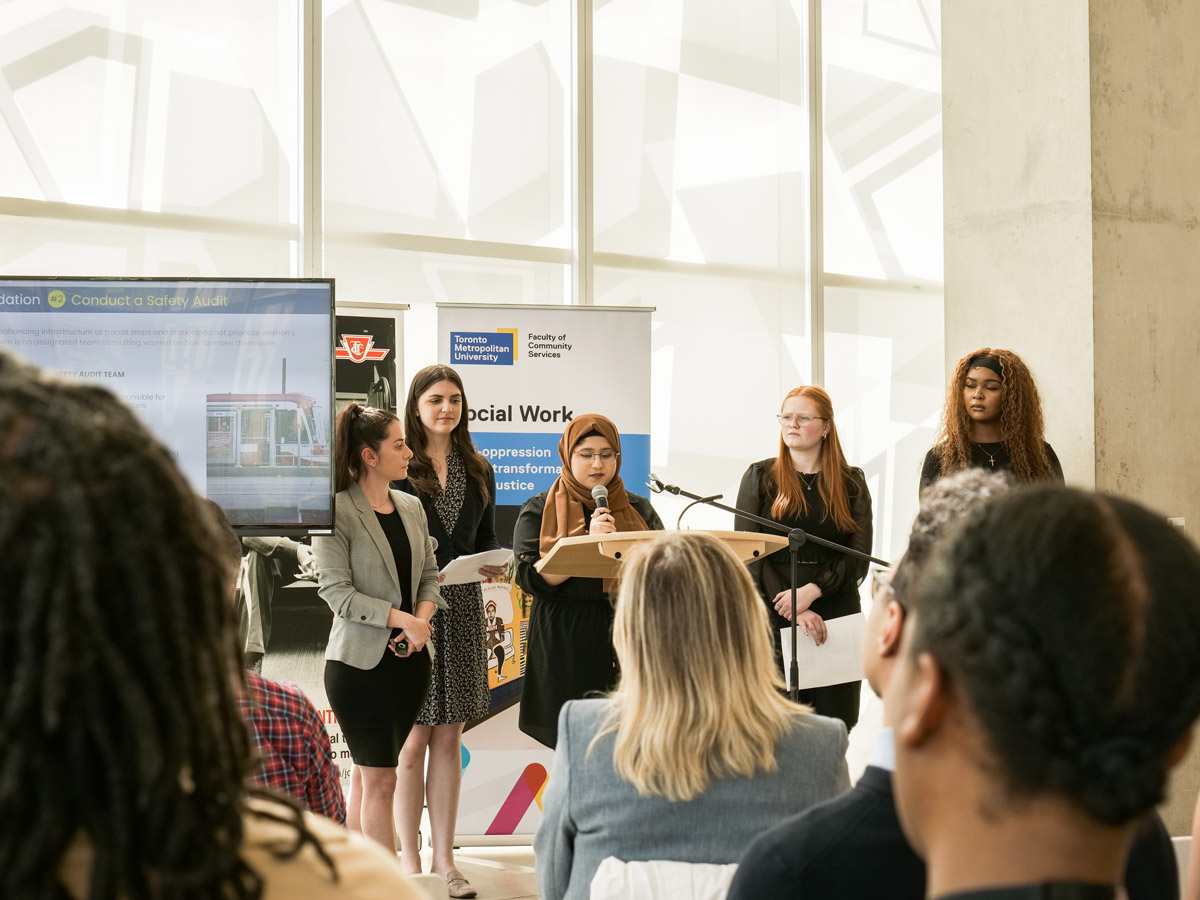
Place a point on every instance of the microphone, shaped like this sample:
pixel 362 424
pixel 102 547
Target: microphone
pixel 600 495
pixel 655 484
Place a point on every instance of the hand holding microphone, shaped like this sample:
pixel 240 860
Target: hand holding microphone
pixel 602 519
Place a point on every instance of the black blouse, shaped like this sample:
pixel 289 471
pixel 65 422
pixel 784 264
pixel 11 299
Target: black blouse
pixel 397 537
pixel 836 574
pixel 991 456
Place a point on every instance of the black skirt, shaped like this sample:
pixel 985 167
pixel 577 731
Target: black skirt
pixel 376 708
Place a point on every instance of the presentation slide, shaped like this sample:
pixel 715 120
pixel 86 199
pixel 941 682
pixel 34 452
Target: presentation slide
pixel 234 376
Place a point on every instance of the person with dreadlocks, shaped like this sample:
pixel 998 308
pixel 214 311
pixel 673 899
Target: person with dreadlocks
pixel 992 420
pixel 123 752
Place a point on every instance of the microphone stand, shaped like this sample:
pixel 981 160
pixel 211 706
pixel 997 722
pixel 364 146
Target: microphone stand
pixel 797 538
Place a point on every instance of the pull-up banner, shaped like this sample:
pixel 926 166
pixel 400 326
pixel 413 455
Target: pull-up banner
pixel 528 370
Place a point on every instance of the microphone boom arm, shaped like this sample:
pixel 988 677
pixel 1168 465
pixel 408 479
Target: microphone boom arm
pixel 658 487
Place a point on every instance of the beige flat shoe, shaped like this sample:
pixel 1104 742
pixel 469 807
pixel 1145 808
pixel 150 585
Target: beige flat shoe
pixel 458 886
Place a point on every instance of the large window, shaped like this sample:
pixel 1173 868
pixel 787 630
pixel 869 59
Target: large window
pixel 149 138
pixel 631 152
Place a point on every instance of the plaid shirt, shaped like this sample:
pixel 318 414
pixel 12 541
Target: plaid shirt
pixel 296 757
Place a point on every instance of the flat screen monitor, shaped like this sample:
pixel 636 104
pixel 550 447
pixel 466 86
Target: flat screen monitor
pixel 235 376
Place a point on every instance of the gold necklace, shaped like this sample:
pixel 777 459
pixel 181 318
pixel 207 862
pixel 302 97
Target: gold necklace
pixel 991 456
pixel 809 485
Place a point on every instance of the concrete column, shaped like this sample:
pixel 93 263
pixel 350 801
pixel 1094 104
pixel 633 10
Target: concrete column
pixel 1071 139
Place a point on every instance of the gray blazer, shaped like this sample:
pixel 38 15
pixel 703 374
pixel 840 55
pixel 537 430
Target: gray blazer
pixel 358 578
pixel 589 812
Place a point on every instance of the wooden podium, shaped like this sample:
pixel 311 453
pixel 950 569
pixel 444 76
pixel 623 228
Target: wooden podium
pixel 600 555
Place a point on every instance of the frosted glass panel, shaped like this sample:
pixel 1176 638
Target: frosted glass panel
pixel 883 138
pixel 159 106
pixel 884 356
pixel 88 248
pixel 399 276
pixel 724 353
pixel 448 119
pixel 701 131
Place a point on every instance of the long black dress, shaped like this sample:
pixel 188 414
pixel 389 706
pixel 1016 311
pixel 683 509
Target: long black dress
pixel 569 654
pixel 461 523
pixel 990 456
pixel 836 574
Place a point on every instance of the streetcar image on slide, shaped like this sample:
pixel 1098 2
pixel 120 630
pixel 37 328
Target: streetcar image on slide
pixel 268 454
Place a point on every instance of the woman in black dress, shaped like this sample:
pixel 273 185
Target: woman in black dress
pixel 570 652
pixel 457 488
pixel 1047 682
pixel 992 420
pixel 810 486
pixel 378 573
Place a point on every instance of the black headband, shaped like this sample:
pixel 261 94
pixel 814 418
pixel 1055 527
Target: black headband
pixel 592 433
pixel 989 362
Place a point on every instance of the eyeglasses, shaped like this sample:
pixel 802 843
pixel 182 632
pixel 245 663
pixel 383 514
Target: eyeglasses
pixel 785 419
pixel 606 456
pixel 881 587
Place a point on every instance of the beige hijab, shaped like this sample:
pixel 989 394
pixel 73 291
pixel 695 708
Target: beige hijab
pixel 568 497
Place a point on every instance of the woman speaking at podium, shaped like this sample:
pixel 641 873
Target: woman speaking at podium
pixel 809 485
pixel 570 652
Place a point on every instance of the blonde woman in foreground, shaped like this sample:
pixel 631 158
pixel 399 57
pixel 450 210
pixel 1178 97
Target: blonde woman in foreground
pixel 696 751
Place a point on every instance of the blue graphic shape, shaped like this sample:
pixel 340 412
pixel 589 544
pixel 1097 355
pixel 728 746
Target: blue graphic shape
pixel 527 463
pixel 481 348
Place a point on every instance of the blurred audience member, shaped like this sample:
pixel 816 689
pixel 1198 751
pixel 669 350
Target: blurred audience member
pixel 1047 672
pixel 123 753
pixel 853 846
pixel 697 750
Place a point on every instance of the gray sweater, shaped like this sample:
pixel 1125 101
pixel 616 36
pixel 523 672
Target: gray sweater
pixel 590 813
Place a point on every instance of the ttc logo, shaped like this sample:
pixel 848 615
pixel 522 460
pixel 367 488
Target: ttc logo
pixel 359 348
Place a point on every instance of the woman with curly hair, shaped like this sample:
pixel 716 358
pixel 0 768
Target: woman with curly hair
pixel 992 420
pixel 808 484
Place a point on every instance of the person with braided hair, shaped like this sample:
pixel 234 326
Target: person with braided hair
pixel 992 420
pixel 123 754
pixel 852 847
pixel 379 575
pixel 1048 673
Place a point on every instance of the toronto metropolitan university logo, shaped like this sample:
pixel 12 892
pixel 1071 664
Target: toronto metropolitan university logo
pixel 359 348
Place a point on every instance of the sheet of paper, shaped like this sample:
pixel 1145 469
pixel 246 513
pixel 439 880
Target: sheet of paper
pixel 836 661
pixel 465 569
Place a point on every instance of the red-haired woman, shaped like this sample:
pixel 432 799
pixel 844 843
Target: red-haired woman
pixel 992 420
pixel 809 485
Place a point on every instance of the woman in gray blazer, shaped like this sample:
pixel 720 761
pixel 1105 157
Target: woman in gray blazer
pixel 697 750
pixel 378 573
